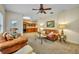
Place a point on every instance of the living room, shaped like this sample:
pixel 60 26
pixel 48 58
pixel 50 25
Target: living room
pixel 35 25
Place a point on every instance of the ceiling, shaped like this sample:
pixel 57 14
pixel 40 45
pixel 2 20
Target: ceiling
pixel 26 9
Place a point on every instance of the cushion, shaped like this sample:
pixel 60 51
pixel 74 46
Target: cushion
pixel 15 35
pixel 7 36
pixel 52 36
pixel 2 39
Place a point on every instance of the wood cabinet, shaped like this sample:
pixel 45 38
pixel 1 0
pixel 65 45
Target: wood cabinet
pixel 30 27
pixel 31 30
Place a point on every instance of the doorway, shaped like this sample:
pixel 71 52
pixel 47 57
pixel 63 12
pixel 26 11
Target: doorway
pixel 29 26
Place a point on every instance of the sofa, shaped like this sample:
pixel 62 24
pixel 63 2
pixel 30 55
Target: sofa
pixel 52 34
pixel 9 47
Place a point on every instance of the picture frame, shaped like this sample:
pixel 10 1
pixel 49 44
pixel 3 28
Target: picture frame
pixel 51 24
pixel 14 22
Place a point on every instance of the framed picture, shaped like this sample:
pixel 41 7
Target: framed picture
pixel 50 24
pixel 14 22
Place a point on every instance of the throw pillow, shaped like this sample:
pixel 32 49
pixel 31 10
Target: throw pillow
pixel 7 36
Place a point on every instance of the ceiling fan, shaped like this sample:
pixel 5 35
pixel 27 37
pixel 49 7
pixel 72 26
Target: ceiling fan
pixel 42 9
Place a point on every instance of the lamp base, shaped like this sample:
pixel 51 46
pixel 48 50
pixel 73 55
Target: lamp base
pixel 62 32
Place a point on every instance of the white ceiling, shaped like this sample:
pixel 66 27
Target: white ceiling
pixel 26 9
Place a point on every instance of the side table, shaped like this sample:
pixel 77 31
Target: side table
pixel 62 37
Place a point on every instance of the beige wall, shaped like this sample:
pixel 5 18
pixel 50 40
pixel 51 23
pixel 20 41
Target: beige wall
pixel 43 18
pixel 10 16
pixel 15 16
pixel 2 9
pixel 71 18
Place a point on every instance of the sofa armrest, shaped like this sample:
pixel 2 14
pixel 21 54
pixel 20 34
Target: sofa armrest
pixel 12 43
pixel 27 49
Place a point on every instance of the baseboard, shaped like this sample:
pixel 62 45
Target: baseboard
pixel 72 42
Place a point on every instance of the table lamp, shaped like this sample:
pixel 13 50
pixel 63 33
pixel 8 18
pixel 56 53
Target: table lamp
pixel 62 27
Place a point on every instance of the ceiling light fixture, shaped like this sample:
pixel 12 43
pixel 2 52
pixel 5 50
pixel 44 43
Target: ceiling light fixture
pixel 42 9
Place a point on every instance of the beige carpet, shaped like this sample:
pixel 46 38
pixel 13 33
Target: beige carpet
pixel 49 47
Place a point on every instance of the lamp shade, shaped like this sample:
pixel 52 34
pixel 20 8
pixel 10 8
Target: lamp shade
pixel 62 26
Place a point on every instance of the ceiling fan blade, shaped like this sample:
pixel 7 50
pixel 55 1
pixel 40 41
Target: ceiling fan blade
pixel 47 8
pixel 35 9
pixel 44 12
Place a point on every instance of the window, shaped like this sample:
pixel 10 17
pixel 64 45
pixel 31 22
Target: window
pixel 1 22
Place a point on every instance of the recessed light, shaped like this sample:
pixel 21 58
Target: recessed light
pixel 25 17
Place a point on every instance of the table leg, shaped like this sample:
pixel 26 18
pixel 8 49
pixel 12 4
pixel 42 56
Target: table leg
pixel 41 41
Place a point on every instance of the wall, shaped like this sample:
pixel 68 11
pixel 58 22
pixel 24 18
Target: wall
pixel 43 18
pixel 10 16
pixel 2 10
pixel 71 18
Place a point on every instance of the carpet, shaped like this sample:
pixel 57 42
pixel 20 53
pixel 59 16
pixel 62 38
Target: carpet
pixel 49 47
